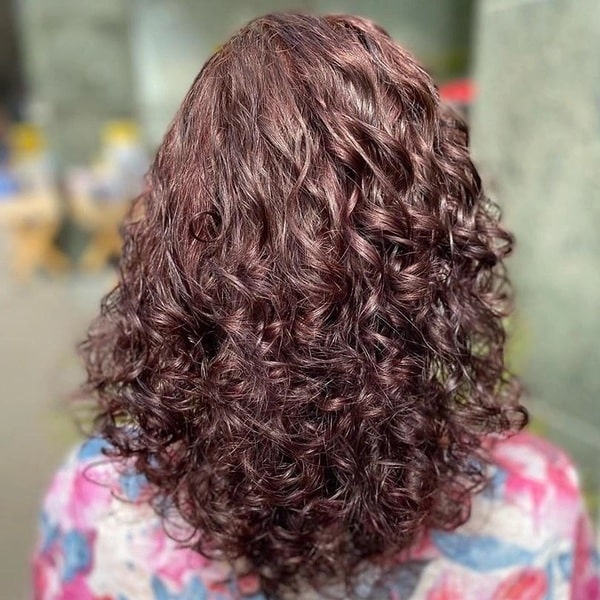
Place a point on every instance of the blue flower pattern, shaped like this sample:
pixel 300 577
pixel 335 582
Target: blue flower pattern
pixel 77 553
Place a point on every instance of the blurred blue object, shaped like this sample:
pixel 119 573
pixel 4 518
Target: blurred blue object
pixel 8 185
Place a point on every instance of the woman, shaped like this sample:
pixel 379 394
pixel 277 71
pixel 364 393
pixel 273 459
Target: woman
pixel 298 382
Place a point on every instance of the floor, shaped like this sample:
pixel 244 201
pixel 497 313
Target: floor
pixel 40 324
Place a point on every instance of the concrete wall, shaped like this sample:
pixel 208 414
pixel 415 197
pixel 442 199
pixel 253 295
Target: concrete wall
pixel 536 131
pixel 172 40
pixel 439 33
pixel 88 62
pixel 78 67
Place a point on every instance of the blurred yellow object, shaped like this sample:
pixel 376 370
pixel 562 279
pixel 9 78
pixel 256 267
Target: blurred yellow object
pixel 32 215
pixel 101 197
pixel 116 132
pixel 26 139
pixel 33 222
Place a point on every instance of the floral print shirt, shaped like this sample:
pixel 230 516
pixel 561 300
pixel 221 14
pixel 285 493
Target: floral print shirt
pixel 528 538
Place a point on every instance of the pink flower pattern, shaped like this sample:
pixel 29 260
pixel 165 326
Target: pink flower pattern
pixel 528 538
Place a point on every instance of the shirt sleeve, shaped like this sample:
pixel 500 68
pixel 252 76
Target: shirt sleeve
pixel 99 539
pixel 543 482
pixel 585 577
pixel 63 557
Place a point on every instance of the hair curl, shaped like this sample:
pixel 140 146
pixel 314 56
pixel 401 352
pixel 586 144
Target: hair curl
pixel 304 351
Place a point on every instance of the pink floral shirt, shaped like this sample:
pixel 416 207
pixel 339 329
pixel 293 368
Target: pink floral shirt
pixel 528 538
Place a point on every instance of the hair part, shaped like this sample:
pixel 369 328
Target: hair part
pixel 304 351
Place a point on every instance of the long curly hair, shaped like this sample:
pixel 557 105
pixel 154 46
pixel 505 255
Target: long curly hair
pixel 304 350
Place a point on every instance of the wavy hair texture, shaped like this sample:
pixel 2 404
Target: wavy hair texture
pixel 304 351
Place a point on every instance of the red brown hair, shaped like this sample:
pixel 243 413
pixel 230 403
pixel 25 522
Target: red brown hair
pixel 304 351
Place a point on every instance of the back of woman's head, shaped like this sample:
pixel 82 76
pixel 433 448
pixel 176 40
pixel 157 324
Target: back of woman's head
pixel 304 351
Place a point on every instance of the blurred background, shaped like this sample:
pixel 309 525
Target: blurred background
pixel 86 91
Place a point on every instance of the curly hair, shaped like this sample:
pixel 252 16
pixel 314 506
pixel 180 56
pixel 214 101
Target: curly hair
pixel 304 350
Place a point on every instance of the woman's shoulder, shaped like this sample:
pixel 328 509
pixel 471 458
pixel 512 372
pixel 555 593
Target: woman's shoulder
pixel 534 496
pixel 88 481
pixel 528 530
pixel 538 476
pixel 81 488
pixel 532 447
pixel 99 536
